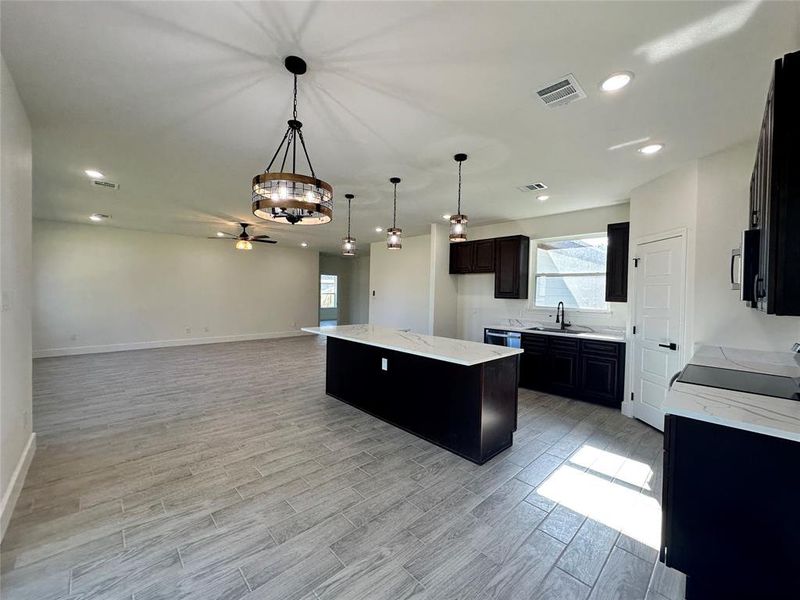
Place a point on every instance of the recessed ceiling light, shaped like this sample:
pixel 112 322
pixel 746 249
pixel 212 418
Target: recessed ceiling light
pixel 651 148
pixel 445 217
pixel 542 198
pixel 617 81
pixel 97 217
pixel 94 174
pixel 379 229
pixel 304 244
pixel 220 234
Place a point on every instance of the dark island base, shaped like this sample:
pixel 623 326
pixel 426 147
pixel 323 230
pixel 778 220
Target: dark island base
pixel 470 411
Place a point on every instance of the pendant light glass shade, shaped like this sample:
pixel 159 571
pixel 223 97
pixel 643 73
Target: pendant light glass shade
pixel 349 242
pixel 244 245
pixel 289 197
pixel 458 222
pixel 458 228
pixel 394 236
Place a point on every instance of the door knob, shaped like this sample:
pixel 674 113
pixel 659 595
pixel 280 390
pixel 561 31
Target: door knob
pixel 671 346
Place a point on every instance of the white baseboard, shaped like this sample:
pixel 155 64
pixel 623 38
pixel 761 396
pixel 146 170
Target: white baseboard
pixel 15 484
pixel 49 352
pixel 627 408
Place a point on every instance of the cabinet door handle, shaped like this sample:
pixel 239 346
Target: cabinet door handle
pixel 671 346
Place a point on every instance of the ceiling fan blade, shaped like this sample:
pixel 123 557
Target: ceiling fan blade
pixel 264 241
pixel 259 237
pixel 216 237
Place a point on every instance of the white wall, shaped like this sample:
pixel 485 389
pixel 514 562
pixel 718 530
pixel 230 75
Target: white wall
pixel 443 313
pixel 359 290
pixel 400 280
pixel 663 205
pixel 710 198
pixel 101 288
pixel 477 307
pixel 16 437
pixel 723 201
pixel 352 287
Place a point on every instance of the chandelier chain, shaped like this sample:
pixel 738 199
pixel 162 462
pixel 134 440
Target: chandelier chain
pixel 459 187
pixel 308 160
pixel 348 218
pixel 294 102
pixel 394 213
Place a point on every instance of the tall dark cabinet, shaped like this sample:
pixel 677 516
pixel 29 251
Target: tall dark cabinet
pixel 775 195
pixel 511 259
pixel 617 262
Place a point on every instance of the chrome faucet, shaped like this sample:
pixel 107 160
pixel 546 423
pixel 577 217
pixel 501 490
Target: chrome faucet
pixel 563 317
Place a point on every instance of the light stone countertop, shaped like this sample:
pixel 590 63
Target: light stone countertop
pixel 777 417
pixel 439 348
pixel 586 333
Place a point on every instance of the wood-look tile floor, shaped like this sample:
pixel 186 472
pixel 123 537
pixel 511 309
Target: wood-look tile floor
pixel 224 471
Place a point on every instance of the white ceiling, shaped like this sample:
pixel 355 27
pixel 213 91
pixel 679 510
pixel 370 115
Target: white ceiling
pixel 181 103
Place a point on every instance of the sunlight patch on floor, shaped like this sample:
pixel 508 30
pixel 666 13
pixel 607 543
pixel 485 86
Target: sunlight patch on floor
pixel 613 465
pixel 613 504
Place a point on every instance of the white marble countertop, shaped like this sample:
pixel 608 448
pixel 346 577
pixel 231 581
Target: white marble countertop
pixel 777 417
pixel 439 348
pixel 587 333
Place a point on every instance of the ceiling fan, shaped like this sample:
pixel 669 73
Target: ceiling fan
pixel 243 240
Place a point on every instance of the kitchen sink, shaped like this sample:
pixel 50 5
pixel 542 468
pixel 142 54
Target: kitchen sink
pixel 554 330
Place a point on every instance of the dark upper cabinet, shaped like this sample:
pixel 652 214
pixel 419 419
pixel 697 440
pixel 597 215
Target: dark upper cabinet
pixel 775 194
pixel 462 257
pixel 511 258
pixel 483 256
pixel 590 370
pixel 506 257
pixel 617 262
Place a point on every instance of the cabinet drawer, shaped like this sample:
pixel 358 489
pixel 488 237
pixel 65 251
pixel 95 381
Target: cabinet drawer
pixel 534 342
pixel 600 348
pixel 560 343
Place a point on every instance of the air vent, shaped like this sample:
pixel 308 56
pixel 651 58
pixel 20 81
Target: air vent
pixel 561 92
pixel 532 187
pixel 105 184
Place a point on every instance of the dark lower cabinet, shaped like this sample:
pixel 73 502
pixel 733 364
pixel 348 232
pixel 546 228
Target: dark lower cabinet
pixel 533 367
pixel 563 366
pixel 730 518
pixel 468 410
pixel 590 370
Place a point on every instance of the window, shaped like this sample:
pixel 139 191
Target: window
pixel 327 291
pixel 571 271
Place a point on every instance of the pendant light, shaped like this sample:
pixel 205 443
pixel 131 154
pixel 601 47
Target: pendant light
pixel 288 197
pixel 458 222
pixel 394 236
pixel 348 243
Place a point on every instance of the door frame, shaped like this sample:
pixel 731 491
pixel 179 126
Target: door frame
pixel 628 406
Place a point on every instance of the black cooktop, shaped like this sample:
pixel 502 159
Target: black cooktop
pixel 763 384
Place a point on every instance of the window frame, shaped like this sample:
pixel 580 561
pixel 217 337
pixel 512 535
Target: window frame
pixel 335 293
pixel 535 272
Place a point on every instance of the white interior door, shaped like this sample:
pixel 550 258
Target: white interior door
pixel 658 318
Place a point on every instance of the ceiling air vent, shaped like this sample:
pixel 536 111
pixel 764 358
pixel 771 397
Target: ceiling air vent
pixel 532 187
pixel 105 184
pixel 561 92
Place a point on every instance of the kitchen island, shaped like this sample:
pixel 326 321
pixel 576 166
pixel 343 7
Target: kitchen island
pixel 457 394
